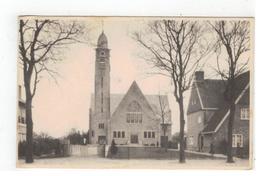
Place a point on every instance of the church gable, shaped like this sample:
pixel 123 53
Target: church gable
pixel 134 101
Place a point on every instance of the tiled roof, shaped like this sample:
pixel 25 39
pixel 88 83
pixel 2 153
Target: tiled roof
pixel 211 92
pixel 208 92
pixel 241 83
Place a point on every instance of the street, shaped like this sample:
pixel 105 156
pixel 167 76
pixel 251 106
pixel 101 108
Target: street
pixel 104 163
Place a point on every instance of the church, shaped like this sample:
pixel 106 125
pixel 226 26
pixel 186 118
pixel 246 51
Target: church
pixel 132 118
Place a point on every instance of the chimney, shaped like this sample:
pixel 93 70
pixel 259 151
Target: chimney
pixel 199 76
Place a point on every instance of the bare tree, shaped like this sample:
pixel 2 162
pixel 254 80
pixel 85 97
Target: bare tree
pixel 175 48
pixel 41 42
pixel 234 38
pixel 164 112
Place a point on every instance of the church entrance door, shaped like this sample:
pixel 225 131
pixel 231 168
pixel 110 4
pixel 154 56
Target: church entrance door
pixel 102 139
pixel 134 139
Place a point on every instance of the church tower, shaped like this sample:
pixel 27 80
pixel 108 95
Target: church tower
pixel 102 89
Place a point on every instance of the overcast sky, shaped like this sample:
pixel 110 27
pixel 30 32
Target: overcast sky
pixel 59 107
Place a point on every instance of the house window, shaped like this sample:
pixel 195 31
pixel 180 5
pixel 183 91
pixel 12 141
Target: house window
pixel 145 134
pixel 199 119
pixel 237 140
pixel 101 126
pixel 119 134
pixel 114 134
pixel 123 134
pixel 92 133
pixel 22 120
pixel 244 113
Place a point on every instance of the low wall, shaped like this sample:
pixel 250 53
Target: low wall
pixel 124 152
pixel 87 150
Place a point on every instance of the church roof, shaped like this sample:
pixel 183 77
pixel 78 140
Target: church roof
pixel 153 100
pixel 102 41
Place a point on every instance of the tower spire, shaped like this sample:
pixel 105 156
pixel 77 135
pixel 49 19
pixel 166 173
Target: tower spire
pixel 102 23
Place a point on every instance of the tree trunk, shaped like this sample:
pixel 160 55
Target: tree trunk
pixel 164 134
pixel 182 123
pixel 29 123
pixel 230 132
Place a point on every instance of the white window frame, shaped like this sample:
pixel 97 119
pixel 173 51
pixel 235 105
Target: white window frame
pixel 235 141
pixel 244 113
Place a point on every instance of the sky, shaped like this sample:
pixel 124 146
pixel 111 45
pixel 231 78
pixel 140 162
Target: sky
pixel 59 107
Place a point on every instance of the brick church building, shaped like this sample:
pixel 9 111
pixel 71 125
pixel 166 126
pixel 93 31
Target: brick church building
pixel 130 119
pixel 207 115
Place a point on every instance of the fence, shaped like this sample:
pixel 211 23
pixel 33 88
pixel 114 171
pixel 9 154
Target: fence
pixel 86 150
pixel 126 152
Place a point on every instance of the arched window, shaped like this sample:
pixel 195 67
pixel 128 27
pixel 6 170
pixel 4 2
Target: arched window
pixel 134 113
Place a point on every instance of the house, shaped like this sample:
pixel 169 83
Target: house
pixel 207 115
pixel 21 118
pixel 129 119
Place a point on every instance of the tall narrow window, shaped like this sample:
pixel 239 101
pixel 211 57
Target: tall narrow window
pixel 20 92
pixel 123 134
pixel 153 134
pixel 149 134
pixel 145 134
pixel 101 101
pixel 114 134
pixel 101 82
